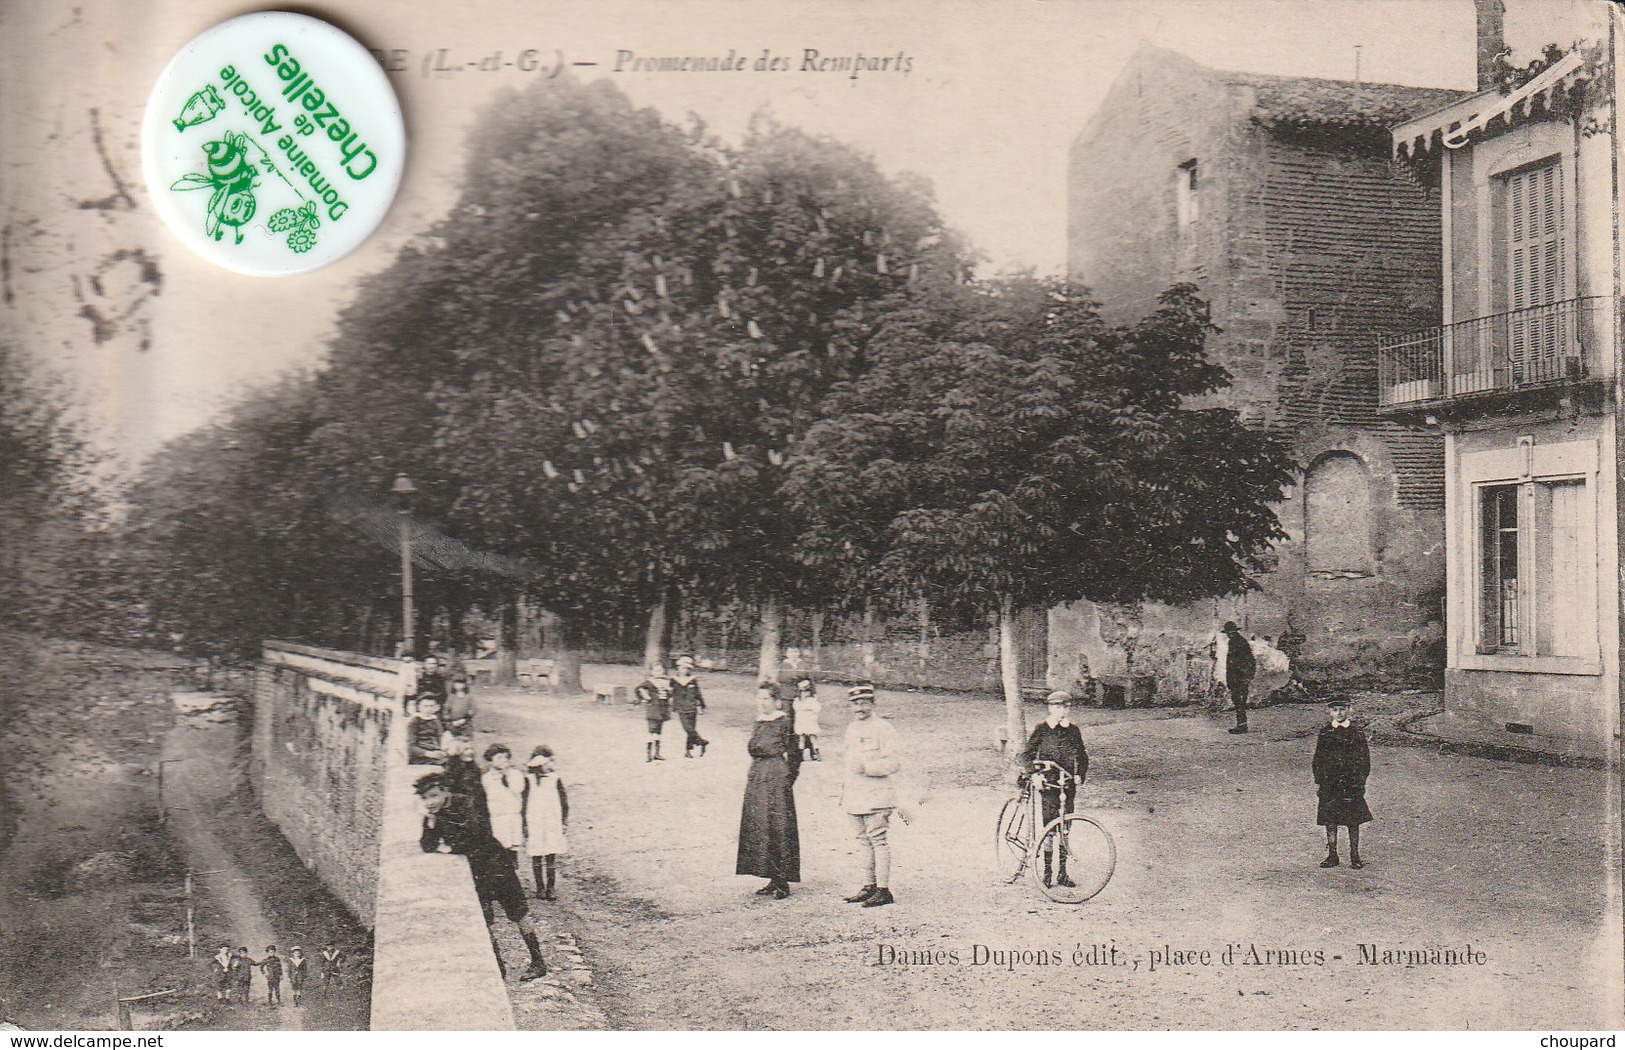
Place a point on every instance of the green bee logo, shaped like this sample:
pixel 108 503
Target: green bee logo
pixel 232 178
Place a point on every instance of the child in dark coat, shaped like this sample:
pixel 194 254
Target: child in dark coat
pixel 1341 765
pixel 332 961
pixel 298 969
pixel 242 972
pixel 272 965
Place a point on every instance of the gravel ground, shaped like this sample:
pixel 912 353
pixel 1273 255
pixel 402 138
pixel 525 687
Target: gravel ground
pixel 1217 848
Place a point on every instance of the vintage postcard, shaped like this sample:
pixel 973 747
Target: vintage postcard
pixel 812 516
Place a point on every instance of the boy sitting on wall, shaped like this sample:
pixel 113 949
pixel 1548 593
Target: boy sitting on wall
pixel 457 822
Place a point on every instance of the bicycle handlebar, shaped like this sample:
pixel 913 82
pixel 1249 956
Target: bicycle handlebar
pixel 1048 770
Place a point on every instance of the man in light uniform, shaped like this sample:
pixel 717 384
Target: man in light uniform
pixel 868 794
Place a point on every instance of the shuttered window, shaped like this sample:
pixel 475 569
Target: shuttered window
pixel 1536 267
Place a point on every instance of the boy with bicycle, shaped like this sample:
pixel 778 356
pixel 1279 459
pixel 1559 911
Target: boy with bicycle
pixel 1056 743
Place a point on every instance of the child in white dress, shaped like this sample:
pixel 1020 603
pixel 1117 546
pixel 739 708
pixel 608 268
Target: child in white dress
pixel 504 798
pixel 547 811
pixel 807 708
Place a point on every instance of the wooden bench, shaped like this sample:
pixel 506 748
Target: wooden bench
pixel 531 673
pixel 613 694
pixel 535 673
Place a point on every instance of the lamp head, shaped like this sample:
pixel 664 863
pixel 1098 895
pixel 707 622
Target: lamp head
pixel 403 490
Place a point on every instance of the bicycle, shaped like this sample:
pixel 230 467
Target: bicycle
pixel 1081 846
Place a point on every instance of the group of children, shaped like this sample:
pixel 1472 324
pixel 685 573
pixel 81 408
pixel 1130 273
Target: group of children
pixel 664 695
pixel 441 717
pixel 234 972
pixel 493 818
pixel 529 809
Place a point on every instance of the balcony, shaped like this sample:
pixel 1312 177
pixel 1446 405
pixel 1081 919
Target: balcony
pixel 1538 348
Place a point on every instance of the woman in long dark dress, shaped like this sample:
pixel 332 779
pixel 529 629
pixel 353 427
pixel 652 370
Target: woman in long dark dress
pixel 1341 765
pixel 769 842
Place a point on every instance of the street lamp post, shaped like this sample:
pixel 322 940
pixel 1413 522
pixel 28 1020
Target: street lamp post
pixel 403 491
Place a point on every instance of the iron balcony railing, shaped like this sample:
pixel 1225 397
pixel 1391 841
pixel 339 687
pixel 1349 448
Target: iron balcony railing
pixel 1519 349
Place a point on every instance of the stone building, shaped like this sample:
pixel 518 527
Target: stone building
pixel 1521 380
pixel 1277 197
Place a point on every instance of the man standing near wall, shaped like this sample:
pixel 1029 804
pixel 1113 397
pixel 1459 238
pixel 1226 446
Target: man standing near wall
pixel 456 822
pixel 1239 668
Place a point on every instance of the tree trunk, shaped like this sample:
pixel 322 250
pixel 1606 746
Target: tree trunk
pixel 1015 715
pixel 455 641
pixel 567 660
pixel 767 660
pixel 505 672
pixel 672 599
pixel 867 646
pixel 925 634
pixel 817 639
pixel 654 638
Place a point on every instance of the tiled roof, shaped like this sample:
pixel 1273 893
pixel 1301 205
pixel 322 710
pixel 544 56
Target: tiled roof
pixel 1312 102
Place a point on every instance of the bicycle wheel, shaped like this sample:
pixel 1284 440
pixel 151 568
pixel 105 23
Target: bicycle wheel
pixel 1012 836
pixel 1075 849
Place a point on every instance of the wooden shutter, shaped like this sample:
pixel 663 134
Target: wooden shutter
pixel 1536 264
pixel 1565 570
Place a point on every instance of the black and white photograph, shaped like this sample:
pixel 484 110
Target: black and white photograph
pixel 812 516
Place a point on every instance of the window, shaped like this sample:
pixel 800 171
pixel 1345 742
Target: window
pixel 1537 595
pixel 1535 236
pixel 1500 572
pixel 1185 195
pixel 1535 270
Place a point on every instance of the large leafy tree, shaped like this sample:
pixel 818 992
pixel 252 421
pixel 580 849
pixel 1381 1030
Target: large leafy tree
pixel 688 349
pixel 281 500
pixel 54 555
pixel 228 545
pixel 1007 449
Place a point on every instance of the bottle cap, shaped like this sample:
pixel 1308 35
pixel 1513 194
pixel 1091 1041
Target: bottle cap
pixel 273 144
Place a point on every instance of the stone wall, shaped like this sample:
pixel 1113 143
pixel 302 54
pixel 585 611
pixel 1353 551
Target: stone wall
pixel 327 726
pixel 898 651
pixel 433 969
pixel 329 766
pixel 1310 247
